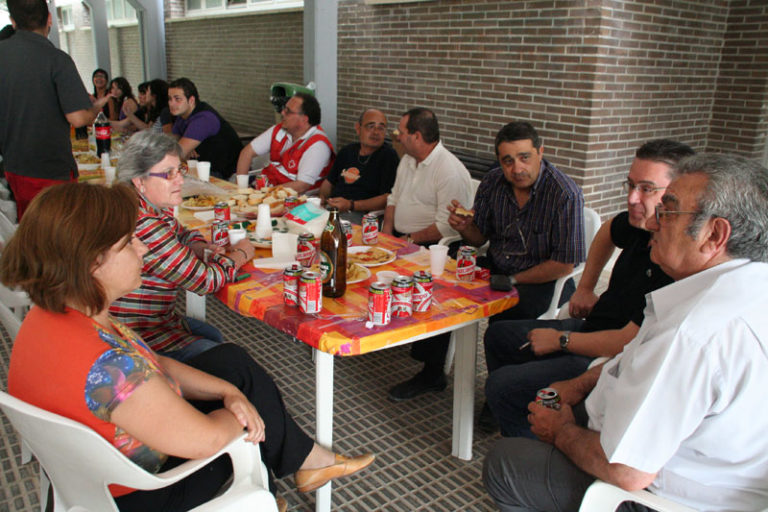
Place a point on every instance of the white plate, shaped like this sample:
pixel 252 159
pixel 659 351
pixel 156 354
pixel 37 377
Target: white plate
pixel 88 167
pixel 357 249
pixel 367 274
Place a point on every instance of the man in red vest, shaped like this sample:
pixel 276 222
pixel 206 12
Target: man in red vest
pixel 300 154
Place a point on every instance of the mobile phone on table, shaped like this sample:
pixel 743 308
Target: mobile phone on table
pixel 501 282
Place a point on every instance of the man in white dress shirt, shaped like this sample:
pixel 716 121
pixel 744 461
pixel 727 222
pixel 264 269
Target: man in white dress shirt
pixel 681 411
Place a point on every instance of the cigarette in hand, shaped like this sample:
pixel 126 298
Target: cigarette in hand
pixel 524 345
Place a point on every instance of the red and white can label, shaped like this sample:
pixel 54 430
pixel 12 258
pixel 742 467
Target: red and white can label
pixel 422 291
pixel 310 293
pixel 379 303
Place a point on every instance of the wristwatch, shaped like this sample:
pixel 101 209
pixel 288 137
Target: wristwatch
pixel 565 338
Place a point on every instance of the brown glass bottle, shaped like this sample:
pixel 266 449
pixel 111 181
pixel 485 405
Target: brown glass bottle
pixel 333 256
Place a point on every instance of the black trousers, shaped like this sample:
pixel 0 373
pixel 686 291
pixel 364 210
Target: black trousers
pixel 283 451
pixel 534 300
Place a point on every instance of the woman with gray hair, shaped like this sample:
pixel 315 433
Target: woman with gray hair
pixel 151 164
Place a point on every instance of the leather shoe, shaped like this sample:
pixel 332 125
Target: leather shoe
pixel 282 505
pixel 417 385
pixel 308 480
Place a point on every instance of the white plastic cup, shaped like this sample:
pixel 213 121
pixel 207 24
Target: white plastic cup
pixel 192 164
pixel 438 255
pixel 314 200
pixel 263 222
pixel 105 160
pixel 235 235
pixel 386 276
pixel 204 171
pixel 109 174
pixel 242 180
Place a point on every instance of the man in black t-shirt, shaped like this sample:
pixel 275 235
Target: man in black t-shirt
pixel 364 172
pixel 526 355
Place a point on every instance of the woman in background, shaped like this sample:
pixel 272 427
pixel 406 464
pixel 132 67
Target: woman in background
pixel 100 80
pixel 73 358
pixel 125 103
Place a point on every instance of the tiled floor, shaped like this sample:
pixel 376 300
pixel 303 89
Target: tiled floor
pixel 414 469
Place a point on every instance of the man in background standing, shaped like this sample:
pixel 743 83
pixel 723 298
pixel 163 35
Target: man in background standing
pixel 41 95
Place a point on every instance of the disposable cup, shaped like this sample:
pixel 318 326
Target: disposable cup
pixel 235 235
pixel 109 174
pixel 386 276
pixel 242 181
pixel 204 171
pixel 192 164
pixel 438 255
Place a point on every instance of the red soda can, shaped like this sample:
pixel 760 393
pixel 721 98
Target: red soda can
pixel 422 291
pixel 219 233
pixel 379 303
pixel 291 202
pixel 465 263
pixel 260 181
pixel 310 292
pixel 347 227
pixel 402 296
pixel 548 397
pixel 370 229
pixel 291 285
pixel 221 211
pixel 306 250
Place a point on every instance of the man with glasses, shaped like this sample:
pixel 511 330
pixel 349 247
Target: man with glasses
pixel 531 213
pixel 300 154
pixel 201 131
pixel 524 356
pixel 679 411
pixel 363 174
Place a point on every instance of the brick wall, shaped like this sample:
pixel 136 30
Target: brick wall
pixel 125 55
pixel 236 59
pixel 596 77
pixel 740 111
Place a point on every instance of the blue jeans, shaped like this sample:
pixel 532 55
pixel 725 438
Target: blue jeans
pixel 515 375
pixel 211 337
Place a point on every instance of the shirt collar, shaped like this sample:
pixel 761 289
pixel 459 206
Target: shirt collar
pixel 147 205
pixel 432 155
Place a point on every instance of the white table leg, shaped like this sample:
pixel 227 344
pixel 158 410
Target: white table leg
pixel 464 390
pixel 196 306
pixel 324 411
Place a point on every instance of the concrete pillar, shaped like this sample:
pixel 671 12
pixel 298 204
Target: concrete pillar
pixel 152 37
pixel 320 58
pixel 53 36
pixel 100 30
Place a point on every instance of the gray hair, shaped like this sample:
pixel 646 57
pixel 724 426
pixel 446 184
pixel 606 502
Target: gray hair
pixel 142 152
pixel 737 191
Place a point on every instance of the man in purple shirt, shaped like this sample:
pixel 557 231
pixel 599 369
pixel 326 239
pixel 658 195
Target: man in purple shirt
pixel 201 131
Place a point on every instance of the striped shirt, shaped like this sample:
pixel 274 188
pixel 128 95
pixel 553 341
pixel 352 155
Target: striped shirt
pixel 550 226
pixel 169 265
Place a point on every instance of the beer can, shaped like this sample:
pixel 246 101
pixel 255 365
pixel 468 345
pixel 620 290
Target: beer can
pixel 221 211
pixel 370 229
pixel 379 303
pixel 310 292
pixel 482 273
pixel 347 227
pixel 306 250
pixel 422 291
pixel 291 285
pixel 465 263
pixel 260 181
pixel 548 397
pixel 291 202
pixel 402 296
pixel 219 233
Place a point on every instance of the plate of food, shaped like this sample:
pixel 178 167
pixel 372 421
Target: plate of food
pixel 200 203
pixel 369 256
pixel 357 273
pixel 261 243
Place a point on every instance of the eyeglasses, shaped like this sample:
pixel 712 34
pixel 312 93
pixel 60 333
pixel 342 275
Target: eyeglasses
pixel 645 189
pixel 289 111
pixel 171 173
pixel 514 237
pixel 661 213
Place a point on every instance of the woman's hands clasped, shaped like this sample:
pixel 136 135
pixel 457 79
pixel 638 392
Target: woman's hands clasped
pixel 246 414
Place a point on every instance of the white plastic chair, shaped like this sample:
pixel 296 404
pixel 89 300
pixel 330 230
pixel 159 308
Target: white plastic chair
pixel 7 227
pixel 448 240
pixel 81 464
pixel 604 497
pixel 591 227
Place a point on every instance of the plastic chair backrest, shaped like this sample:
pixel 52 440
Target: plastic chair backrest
pixel 7 228
pixel 10 321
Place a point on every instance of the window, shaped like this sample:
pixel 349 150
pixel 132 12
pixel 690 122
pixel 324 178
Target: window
pixel 64 14
pixel 200 7
pixel 120 11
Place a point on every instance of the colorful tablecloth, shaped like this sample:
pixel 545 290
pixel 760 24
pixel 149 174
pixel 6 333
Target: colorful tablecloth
pixel 340 328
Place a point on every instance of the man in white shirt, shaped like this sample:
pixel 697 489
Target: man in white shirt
pixel 428 177
pixel 680 410
pixel 300 154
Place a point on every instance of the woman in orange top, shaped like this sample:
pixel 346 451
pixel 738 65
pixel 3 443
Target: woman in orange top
pixel 74 253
